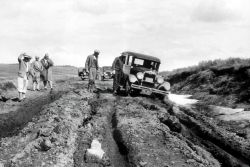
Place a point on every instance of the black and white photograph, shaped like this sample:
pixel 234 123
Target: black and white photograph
pixel 125 83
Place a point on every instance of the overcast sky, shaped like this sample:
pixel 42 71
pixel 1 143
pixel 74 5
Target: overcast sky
pixel 180 32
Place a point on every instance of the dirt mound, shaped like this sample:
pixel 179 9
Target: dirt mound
pixel 4 86
pixel 151 143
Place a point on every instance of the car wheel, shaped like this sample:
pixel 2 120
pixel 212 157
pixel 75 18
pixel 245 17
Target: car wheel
pixel 135 92
pixel 161 96
pixel 102 78
pixel 127 88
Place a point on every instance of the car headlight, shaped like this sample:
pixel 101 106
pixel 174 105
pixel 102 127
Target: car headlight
pixel 132 78
pixel 139 75
pixel 160 80
pixel 166 86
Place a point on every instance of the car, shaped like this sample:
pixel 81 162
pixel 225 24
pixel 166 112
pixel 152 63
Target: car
pixel 82 73
pixel 106 73
pixel 141 75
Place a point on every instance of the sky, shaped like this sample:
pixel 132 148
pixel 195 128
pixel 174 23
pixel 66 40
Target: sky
pixel 180 32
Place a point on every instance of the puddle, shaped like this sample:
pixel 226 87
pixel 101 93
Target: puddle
pixel 182 99
pixel 230 114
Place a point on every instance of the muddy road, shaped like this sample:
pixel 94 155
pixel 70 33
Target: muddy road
pixel 71 127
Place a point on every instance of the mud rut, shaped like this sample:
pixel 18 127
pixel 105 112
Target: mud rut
pixel 191 127
pixel 103 120
pixel 11 123
pixel 117 152
pixel 229 149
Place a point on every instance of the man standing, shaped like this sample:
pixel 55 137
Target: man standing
pixel 47 64
pixel 117 67
pixel 22 80
pixel 37 69
pixel 91 66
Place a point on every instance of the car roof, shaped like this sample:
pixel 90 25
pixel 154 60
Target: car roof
pixel 143 56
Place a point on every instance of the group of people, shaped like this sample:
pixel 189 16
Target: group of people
pixel 41 70
pixel 91 66
pixel 37 70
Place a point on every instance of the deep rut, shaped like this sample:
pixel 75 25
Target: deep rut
pixel 103 127
pixel 228 149
pixel 11 123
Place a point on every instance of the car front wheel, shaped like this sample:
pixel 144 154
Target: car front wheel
pixel 161 96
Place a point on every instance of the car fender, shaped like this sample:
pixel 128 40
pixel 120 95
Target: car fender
pixel 165 85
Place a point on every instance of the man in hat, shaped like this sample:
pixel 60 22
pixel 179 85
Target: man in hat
pixel 117 67
pixel 24 70
pixel 37 69
pixel 47 64
pixel 91 66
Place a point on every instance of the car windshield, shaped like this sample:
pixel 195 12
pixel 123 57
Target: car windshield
pixel 146 64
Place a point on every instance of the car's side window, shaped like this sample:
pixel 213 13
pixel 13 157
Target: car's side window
pixel 130 60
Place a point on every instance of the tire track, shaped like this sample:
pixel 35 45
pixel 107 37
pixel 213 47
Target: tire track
pixel 229 149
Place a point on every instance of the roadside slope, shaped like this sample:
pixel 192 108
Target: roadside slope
pixel 221 82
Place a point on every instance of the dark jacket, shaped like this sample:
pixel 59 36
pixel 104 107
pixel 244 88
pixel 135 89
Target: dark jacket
pixel 91 62
pixel 117 64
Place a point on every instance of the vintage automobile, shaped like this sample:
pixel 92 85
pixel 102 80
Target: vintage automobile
pixel 141 75
pixel 82 73
pixel 106 73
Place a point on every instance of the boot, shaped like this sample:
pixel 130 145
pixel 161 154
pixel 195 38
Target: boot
pixel 90 87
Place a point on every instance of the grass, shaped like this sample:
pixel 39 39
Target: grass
pixel 218 64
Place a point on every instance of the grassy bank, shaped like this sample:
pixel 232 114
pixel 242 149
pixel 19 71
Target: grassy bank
pixel 221 82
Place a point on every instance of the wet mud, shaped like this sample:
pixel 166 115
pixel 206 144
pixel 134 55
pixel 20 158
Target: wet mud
pixel 132 131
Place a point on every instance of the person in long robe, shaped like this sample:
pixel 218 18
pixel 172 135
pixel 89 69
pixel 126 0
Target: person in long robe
pixel 47 64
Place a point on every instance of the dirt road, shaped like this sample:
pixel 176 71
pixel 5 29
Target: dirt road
pixel 59 128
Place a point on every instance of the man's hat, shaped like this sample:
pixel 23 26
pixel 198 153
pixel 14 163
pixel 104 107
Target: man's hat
pixel 96 51
pixel 46 55
pixel 27 56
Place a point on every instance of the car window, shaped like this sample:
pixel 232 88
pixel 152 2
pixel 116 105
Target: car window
pixel 130 58
pixel 139 62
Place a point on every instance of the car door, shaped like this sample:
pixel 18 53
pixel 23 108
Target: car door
pixel 127 65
